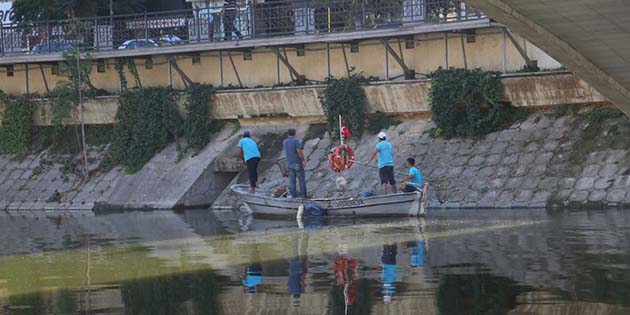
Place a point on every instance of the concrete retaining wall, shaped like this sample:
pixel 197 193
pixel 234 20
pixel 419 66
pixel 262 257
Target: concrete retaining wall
pixel 543 161
pixel 410 97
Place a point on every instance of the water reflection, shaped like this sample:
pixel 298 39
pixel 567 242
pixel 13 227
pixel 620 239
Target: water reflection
pixel 201 263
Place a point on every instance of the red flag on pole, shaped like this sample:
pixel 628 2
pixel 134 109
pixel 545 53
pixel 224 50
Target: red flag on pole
pixel 345 132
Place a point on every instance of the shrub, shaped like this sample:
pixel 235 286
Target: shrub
pixel 197 128
pixel 146 122
pixel 598 115
pixel 345 97
pixel 17 122
pixel 467 103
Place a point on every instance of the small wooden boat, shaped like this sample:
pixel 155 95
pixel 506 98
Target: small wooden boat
pixel 400 204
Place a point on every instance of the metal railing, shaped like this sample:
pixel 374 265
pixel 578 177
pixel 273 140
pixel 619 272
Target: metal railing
pixel 262 20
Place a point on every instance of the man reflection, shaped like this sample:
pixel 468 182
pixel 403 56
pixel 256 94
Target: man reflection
pixel 252 276
pixel 298 266
pixel 416 250
pixel 388 271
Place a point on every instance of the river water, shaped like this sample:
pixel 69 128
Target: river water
pixel 197 262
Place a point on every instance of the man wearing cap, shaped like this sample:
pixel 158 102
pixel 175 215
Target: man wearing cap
pixel 296 164
pixel 385 162
pixel 248 150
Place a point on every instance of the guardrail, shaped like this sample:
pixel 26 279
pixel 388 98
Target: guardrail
pixel 260 20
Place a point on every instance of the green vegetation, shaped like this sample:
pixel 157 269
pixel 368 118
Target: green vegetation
pixel 146 122
pixel 16 123
pixel 564 109
pixel 467 103
pixel 345 97
pixel 379 121
pixel 197 128
pixel 598 115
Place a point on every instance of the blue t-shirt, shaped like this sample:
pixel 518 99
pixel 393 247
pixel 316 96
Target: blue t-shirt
pixel 291 145
pixel 417 176
pixel 249 147
pixel 385 157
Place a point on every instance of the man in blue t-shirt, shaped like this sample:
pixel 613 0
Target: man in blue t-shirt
pixel 296 164
pixel 385 162
pixel 413 182
pixel 248 150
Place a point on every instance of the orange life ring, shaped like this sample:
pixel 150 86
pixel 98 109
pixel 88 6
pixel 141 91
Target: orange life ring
pixel 341 158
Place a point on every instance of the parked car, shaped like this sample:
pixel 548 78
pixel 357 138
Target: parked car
pixel 138 43
pixel 52 48
pixel 169 40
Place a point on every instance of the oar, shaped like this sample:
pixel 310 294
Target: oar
pixel 374 166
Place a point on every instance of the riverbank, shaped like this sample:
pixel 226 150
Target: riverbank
pixel 547 160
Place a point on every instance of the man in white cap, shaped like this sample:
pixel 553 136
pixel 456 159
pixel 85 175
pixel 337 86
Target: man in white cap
pixel 385 162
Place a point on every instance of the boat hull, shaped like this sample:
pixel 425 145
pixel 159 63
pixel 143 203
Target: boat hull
pixel 401 204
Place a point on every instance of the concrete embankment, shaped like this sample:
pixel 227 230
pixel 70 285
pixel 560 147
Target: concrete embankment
pixel 543 161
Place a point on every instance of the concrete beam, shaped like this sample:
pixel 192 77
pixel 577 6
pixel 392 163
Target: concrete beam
pixel 583 45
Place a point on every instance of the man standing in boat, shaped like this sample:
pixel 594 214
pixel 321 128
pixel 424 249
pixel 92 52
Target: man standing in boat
pixel 248 150
pixel 385 162
pixel 296 164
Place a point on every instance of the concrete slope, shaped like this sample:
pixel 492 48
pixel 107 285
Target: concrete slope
pixel 163 182
pixel 591 38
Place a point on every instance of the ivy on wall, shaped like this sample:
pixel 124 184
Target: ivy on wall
pixel 467 103
pixel 146 122
pixel 345 97
pixel 16 124
pixel 197 127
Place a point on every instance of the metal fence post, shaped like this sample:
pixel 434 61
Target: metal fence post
pixel 97 34
pixel 2 38
pixel 198 25
pixel 146 26
pixel 363 14
pixel 48 35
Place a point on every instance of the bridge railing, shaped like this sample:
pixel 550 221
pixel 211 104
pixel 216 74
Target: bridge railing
pixel 262 20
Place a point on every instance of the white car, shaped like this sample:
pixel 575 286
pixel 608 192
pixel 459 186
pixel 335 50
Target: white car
pixel 138 43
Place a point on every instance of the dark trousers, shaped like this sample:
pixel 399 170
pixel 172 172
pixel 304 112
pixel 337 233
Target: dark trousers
pixel 252 171
pixel 228 25
pixel 297 171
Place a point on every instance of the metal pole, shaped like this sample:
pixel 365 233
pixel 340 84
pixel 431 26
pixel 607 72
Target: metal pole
pixel 277 67
pixel 146 27
pixel 26 85
pixel 2 38
pixel 170 72
pixel 386 60
pixel 461 39
pixel 221 66
pixel 504 53
pixel 328 59
pixel 97 33
pixel 446 49
pixel 85 172
pixel 198 25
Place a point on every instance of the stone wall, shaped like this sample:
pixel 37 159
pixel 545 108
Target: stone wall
pixel 543 161
pixel 546 160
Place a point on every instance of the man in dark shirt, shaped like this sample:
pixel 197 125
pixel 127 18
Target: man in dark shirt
pixel 230 9
pixel 296 164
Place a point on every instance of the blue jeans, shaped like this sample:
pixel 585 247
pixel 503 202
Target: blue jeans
pixel 297 170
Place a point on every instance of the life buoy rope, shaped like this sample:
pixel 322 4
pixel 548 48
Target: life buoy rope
pixel 341 158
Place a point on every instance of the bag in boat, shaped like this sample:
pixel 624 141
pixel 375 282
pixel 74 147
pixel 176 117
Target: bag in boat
pixel 311 210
